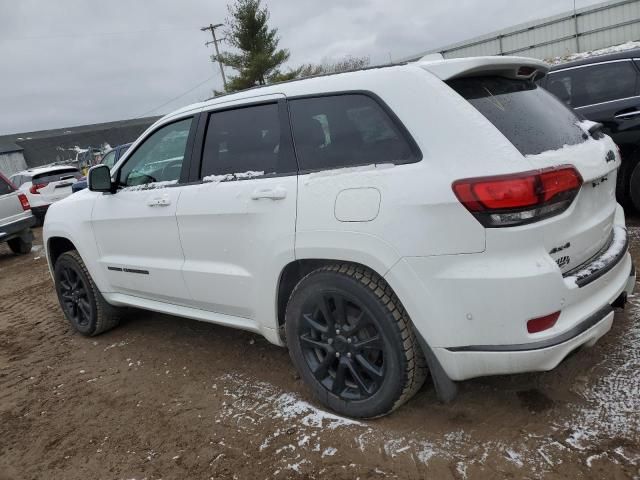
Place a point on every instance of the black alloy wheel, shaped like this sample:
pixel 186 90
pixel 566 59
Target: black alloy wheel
pixel 342 346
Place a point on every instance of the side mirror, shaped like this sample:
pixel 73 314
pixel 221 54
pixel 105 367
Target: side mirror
pixel 99 179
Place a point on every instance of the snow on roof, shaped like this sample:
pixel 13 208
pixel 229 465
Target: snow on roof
pixel 594 53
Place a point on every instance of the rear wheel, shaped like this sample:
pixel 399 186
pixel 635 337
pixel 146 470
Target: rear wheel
pixel 352 341
pixel 82 304
pixel 20 246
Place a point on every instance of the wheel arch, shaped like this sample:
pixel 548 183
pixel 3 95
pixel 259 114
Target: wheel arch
pixel 56 246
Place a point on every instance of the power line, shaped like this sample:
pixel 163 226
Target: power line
pixel 97 34
pixel 176 98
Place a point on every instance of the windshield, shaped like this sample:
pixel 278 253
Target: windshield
pixel 529 116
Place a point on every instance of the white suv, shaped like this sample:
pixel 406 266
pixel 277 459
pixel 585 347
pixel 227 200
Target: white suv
pixel 46 185
pixel 446 217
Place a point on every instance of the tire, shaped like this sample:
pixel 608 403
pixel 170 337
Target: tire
pixel 81 302
pixel 367 360
pixel 634 188
pixel 20 246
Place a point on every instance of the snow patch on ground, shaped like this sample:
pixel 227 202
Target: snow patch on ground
pixel 594 53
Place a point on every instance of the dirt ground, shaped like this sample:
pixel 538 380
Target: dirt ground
pixel 163 397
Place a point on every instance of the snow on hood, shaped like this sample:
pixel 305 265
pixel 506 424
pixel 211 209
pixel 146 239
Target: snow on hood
pixel 594 53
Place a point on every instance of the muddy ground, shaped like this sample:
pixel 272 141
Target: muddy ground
pixel 162 397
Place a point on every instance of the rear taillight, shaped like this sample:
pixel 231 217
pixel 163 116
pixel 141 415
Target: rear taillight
pixel 536 325
pixel 24 201
pixel 510 200
pixel 36 187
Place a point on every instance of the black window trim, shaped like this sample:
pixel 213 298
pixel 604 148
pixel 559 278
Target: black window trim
pixel 395 120
pixel 194 177
pixel 186 162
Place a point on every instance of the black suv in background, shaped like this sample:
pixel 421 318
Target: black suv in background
pixel 606 89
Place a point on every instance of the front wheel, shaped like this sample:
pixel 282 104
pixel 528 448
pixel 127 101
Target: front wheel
pixel 352 342
pixel 82 304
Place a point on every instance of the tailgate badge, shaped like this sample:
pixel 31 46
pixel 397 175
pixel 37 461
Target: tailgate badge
pixel 611 157
pixel 560 248
pixel 563 261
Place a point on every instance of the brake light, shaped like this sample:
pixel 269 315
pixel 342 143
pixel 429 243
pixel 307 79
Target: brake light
pixel 510 200
pixel 24 201
pixel 542 323
pixel 36 187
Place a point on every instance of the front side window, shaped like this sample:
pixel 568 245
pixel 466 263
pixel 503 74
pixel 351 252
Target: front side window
pixel 247 139
pixel 346 130
pixel 159 158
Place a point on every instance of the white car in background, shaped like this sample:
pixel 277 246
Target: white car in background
pixel 446 216
pixel 45 185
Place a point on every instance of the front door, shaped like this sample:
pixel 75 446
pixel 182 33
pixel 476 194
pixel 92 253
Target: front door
pixel 135 228
pixel 238 224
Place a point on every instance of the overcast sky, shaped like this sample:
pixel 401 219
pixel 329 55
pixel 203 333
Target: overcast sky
pixel 73 62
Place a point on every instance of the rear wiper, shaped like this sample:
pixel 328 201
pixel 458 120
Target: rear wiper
pixel 596 131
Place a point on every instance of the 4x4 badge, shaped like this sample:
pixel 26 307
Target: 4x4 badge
pixel 611 157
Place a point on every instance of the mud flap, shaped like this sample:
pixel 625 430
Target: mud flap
pixel 446 389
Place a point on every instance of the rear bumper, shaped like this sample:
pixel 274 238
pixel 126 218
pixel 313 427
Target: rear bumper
pixel 40 211
pixel 473 309
pixel 19 228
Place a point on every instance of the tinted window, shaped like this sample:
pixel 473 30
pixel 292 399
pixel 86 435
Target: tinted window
pixel 56 176
pixel 5 186
pixel 159 158
pixel 246 139
pixel 529 116
pixel 345 130
pixel 582 86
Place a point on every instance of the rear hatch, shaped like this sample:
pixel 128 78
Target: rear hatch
pixel 550 137
pixel 54 185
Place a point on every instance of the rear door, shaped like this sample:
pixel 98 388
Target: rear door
pixel 604 92
pixel 237 222
pixel 549 135
pixel 54 185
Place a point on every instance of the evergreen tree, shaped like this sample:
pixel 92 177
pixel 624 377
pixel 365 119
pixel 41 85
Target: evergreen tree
pixel 259 57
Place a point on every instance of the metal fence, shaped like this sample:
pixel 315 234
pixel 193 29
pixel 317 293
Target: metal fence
pixel 589 28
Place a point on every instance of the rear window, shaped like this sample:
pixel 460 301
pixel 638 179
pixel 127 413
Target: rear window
pixel 56 176
pixel 5 186
pixel 529 116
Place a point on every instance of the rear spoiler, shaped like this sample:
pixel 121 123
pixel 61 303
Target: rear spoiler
pixel 510 67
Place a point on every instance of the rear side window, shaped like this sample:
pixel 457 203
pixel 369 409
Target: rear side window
pixel 346 130
pixel 529 116
pixel 247 139
pixel 579 87
pixel 5 186
pixel 56 176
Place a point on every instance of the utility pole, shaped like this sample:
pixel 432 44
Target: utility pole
pixel 212 29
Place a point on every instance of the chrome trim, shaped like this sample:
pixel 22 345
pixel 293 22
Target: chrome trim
pixel 608 101
pixel 628 114
pixel 591 65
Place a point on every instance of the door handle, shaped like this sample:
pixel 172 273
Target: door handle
pixel 159 202
pixel 277 193
pixel 627 115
